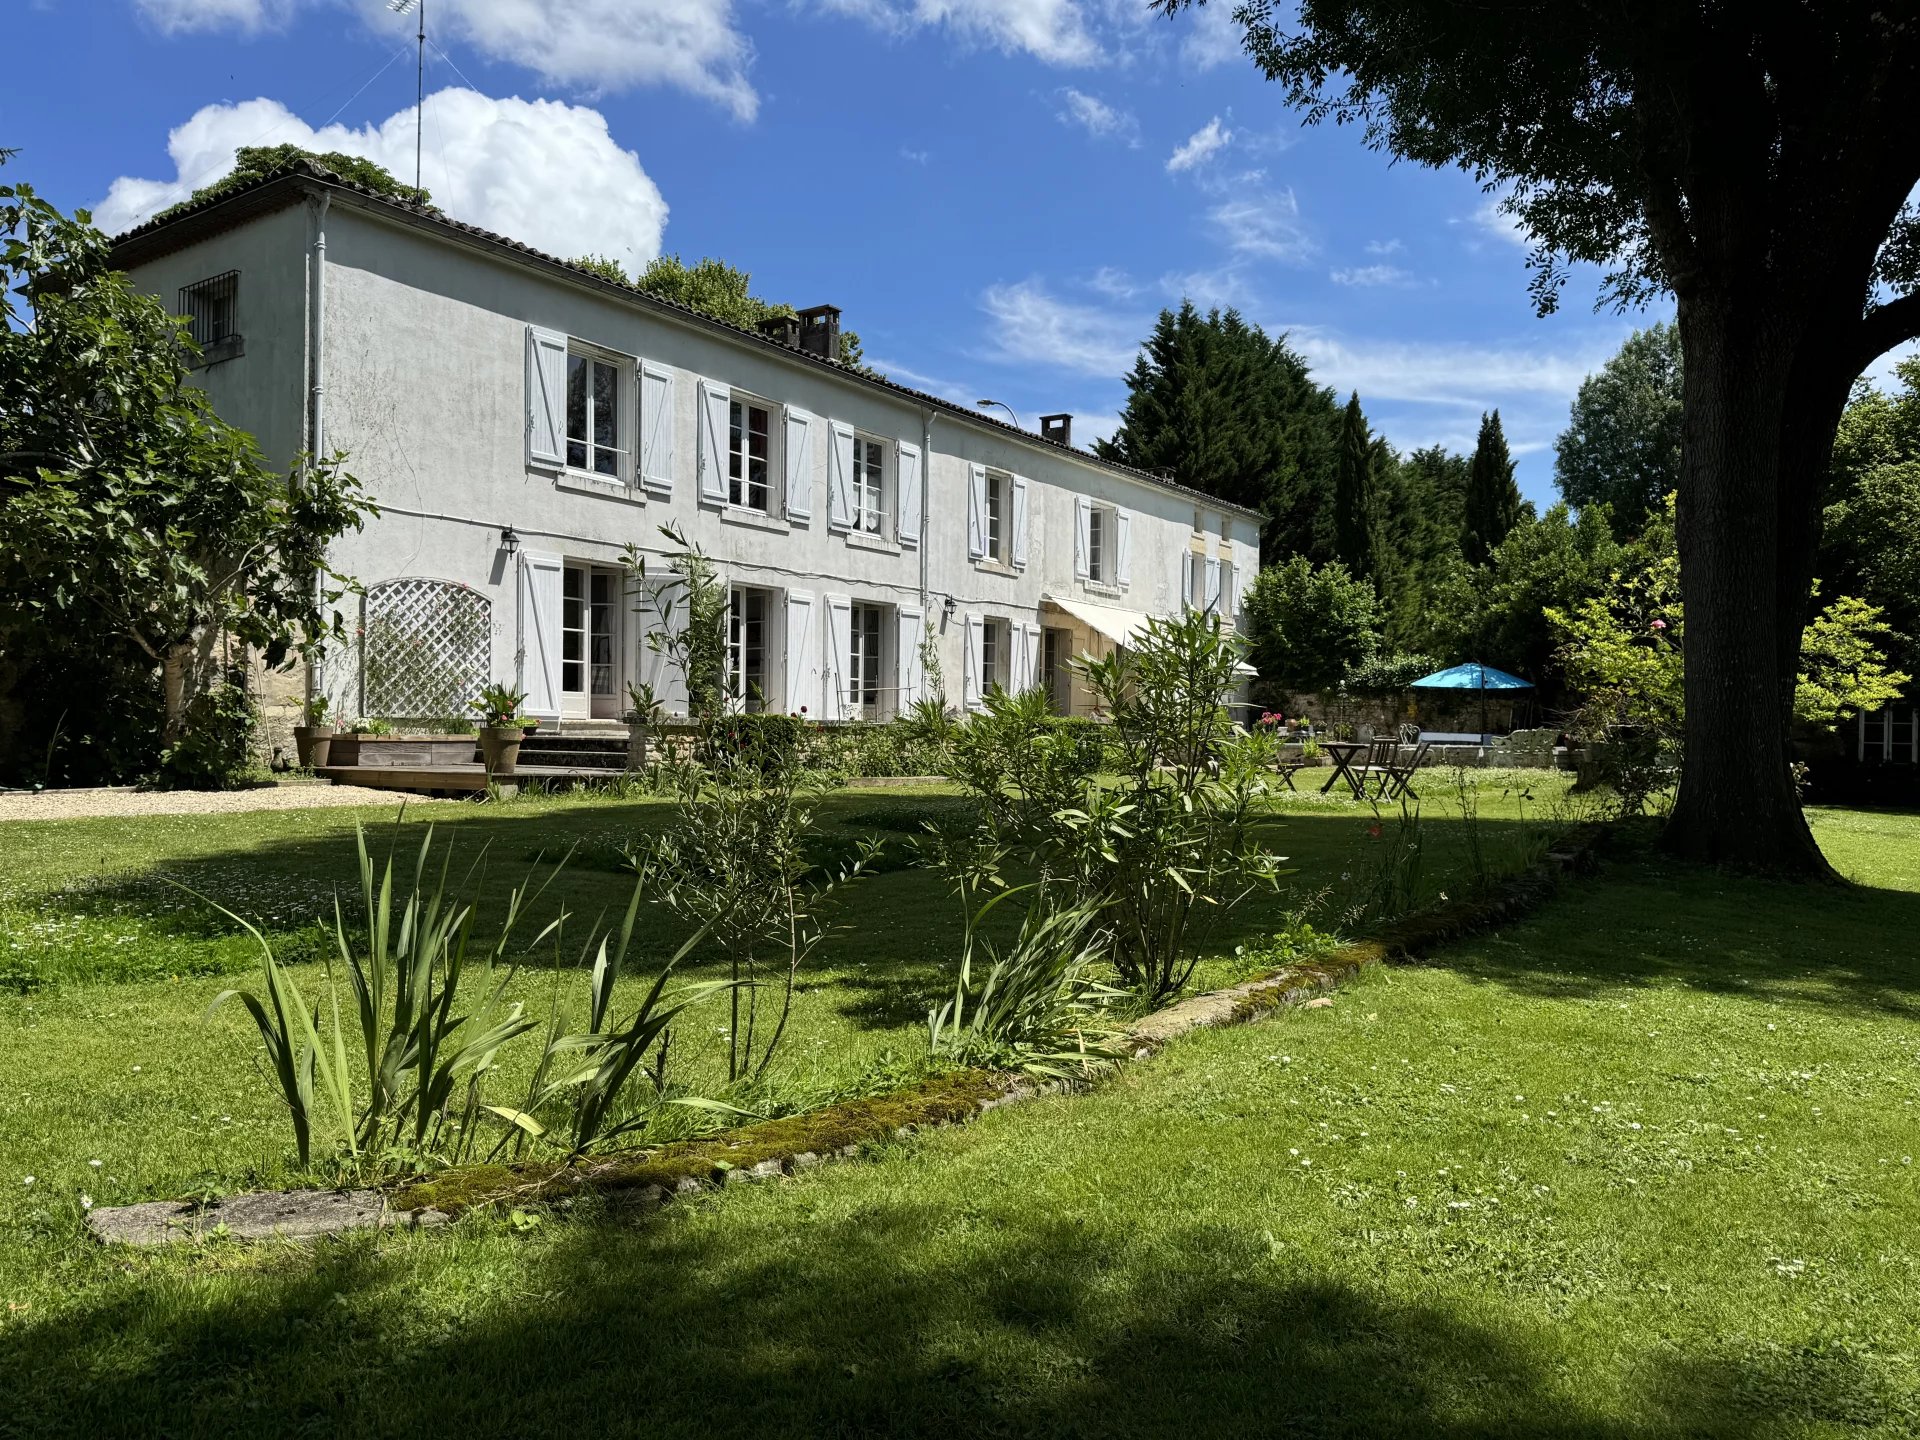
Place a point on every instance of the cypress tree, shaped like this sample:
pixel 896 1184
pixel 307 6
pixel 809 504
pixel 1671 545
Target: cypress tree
pixel 1356 540
pixel 1493 505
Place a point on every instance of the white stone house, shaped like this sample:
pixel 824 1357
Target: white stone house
pixel 519 421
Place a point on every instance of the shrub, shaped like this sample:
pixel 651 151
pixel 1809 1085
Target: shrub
pixel 1389 674
pixel 215 748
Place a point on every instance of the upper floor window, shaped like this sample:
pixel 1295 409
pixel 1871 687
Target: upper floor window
pixel 211 307
pixel 999 516
pixel 869 484
pixel 594 419
pixel 749 454
pixel 1099 546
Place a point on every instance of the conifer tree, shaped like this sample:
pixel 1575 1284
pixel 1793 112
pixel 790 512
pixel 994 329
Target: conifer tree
pixel 1356 538
pixel 1493 505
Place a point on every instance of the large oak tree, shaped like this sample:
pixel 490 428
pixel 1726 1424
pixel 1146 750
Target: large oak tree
pixel 1756 160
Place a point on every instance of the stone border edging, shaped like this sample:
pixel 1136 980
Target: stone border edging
pixel 794 1143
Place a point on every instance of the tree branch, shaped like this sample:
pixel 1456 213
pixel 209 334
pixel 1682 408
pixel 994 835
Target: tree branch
pixel 1884 327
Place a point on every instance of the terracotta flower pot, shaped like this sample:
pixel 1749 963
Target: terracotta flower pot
pixel 312 742
pixel 500 747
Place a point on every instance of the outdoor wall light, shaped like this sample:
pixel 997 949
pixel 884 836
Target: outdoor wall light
pixel 510 540
pixel 948 608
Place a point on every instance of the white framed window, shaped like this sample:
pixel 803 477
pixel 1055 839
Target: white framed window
pixel 993 655
pixel 1891 735
pixel 750 432
pixel 866 663
pixel 1196 580
pixel 747 609
pixel 1100 545
pixel 869 484
pixel 598 423
pixel 999 517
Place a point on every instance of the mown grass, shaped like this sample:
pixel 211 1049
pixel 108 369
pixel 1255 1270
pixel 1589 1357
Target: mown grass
pixel 1639 1165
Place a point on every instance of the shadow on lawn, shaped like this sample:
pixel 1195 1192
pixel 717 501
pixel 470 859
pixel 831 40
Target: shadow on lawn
pixel 1654 922
pixel 905 1318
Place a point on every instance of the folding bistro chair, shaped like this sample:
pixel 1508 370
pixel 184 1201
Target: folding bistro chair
pixel 1398 779
pixel 1378 769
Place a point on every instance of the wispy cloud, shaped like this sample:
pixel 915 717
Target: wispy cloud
pixel 1095 116
pixel 915 157
pixel 1113 282
pixel 1032 327
pixel 1264 224
pixel 1385 247
pixel 1200 147
pixel 1370 275
pixel 1054 31
pixel 1491 220
pixel 1212 39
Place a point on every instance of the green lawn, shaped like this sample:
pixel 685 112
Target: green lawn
pixel 1641 1165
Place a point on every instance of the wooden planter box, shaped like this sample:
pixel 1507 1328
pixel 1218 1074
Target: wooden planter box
pixel 404 752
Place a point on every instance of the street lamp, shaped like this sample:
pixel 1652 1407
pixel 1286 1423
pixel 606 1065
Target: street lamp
pixel 990 404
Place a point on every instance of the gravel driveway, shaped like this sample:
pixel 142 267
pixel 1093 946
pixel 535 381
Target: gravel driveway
pixel 121 800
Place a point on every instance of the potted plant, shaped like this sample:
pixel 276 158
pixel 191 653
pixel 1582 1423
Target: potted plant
pixel 502 727
pixel 314 736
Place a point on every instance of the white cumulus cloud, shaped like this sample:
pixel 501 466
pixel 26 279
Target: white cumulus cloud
pixel 541 171
pixel 587 45
pixel 1200 146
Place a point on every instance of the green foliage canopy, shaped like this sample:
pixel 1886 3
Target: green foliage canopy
pixel 1310 624
pixel 1621 447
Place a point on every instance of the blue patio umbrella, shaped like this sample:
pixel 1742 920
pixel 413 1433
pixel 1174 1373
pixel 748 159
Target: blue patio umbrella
pixel 1473 676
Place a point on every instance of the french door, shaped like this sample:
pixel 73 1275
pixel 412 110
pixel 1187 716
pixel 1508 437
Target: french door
pixel 590 679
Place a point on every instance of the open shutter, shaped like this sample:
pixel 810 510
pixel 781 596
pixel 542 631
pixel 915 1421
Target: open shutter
pixel 910 669
pixel 976 511
pixel 1082 537
pixel 1020 521
pixel 1186 579
pixel 1030 677
pixel 1017 655
pixel 716 430
pixel 662 612
pixel 1123 547
pixel 803 656
pixel 971 690
pixel 908 485
pixel 540 633
pixel 1213 584
pixel 799 463
pixel 839 646
pixel 840 479
pixel 1228 600
pixel 546 397
pixel 656 429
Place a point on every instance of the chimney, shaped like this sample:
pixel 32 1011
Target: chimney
pixel 782 330
pixel 820 331
pixel 1057 428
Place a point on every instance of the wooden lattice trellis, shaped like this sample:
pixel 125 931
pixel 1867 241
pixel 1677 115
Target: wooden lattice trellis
pixel 426 648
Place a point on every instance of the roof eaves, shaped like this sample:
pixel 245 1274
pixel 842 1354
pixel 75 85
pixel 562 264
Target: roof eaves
pixel 279 187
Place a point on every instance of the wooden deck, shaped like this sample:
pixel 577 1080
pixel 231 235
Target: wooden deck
pixel 465 779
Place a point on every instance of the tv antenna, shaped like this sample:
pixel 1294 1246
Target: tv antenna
pixel 402 7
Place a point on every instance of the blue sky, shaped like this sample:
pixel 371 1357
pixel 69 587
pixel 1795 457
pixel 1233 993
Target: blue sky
pixel 1000 194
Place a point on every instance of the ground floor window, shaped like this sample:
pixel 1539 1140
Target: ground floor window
pixel 747 648
pixel 866 693
pixel 573 631
pixel 993 655
pixel 1891 735
pixel 1055 646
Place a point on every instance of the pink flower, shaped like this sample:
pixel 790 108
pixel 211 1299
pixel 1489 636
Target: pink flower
pixel 1659 624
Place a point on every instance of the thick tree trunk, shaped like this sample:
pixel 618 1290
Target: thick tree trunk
pixel 1747 528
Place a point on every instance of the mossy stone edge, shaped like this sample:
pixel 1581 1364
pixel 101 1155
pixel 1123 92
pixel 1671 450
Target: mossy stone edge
pixel 773 1148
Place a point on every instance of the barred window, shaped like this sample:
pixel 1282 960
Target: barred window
pixel 210 307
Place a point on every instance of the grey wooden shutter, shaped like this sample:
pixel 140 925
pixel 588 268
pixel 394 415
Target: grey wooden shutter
pixel 1020 522
pixel 907 486
pixel 716 442
pixel 840 479
pixel 546 398
pixel 540 633
pixel 656 429
pixel 799 464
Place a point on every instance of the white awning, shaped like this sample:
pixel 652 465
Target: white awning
pixel 1119 626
